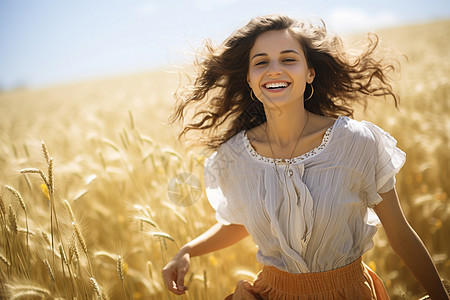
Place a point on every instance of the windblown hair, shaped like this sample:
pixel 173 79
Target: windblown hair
pixel 220 95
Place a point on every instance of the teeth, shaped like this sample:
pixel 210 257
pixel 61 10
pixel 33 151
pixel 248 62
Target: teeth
pixel 276 85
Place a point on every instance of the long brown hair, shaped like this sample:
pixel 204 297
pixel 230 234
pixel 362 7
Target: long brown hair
pixel 221 97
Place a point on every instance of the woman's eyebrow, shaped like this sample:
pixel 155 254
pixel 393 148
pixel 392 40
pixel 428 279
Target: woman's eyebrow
pixel 259 54
pixel 289 51
pixel 282 52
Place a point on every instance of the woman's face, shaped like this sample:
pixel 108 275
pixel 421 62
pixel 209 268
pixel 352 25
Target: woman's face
pixel 278 71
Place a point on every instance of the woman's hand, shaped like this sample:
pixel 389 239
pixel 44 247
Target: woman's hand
pixel 407 244
pixel 217 237
pixel 175 271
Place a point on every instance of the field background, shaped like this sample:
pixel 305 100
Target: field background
pixel 113 155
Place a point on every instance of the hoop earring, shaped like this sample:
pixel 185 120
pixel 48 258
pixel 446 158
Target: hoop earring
pixel 312 92
pixel 251 95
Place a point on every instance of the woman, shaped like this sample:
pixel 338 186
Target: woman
pixel 292 169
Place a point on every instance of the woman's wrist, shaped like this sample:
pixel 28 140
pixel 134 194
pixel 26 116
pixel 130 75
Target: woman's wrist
pixel 186 249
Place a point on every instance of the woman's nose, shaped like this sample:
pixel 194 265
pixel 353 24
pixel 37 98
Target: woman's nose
pixel 274 69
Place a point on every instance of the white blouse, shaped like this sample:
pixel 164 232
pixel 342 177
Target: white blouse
pixel 314 214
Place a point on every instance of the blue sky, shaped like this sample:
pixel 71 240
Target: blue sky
pixel 47 42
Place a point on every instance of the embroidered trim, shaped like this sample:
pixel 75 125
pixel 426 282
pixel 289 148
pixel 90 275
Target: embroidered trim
pixel 293 160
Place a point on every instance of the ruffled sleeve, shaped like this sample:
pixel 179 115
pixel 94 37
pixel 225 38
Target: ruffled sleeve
pixel 386 161
pixel 221 192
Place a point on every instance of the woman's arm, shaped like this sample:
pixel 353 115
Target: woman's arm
pixel 408 246
pixel 217 237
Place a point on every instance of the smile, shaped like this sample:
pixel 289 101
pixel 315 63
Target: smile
pixel 276 85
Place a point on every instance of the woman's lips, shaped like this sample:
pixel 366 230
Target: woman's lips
pixel 276 86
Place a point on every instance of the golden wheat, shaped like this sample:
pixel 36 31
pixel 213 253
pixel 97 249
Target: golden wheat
pixel 69 210
pixel 73 252
pixel 80 237
pixel 45 152
pixel 150 269
pixel 63 256
pixel 49 270
pixel 104 254
pixel 29 292
pixel 120 268
pixel 18 197
pixel 35 171
pixel 5 260
pixel 146 220
pixel 51 184
pixel 163 235
pixel 114 169
pixel 46 238
pixel 12 220
pixel 97 289
pixel 2 205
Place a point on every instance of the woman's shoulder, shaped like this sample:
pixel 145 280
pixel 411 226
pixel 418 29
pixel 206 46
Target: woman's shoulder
pixel 352 126
pixel 363 131
pixel 230 149
pixel 234 143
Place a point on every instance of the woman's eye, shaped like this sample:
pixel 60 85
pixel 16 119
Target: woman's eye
pixel 288 60
pixel 260 63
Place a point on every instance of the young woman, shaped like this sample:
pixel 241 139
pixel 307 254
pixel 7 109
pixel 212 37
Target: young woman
pixel 292 169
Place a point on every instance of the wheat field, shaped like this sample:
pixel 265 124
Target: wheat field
pixel 85 169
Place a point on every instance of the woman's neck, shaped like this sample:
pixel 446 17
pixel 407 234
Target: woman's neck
pixel 286 125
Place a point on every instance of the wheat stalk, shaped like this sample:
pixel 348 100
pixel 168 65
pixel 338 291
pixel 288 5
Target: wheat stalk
pixel 26 231
pixel 146 220
pixel 2 205
pixel 49 270
pixel 79 195
pixel 51 184
pixel 29 292
pixel 146 139
pixel 131 119
pixel 50 187
pixel 64 261
pixel 46 238
pixel 63 255
pixel 205 279
pixel 102 159
pixel 22 204
pixel 150 268
pixel 69 210
pixel 163 235
pixel 125 139
pixel 45 151
pixel 121 273
pixel 35 171
pixel 80 237
pixel 12 220
pixel 26 150
pixel 5 260
pixel 172 153
pixel 97 289
pixel 120 268
pixel 105 254
pixel 18 197
pixel 73 251
pixel 111 144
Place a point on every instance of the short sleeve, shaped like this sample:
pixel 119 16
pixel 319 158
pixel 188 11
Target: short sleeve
pixel 386 161
pixel 221 192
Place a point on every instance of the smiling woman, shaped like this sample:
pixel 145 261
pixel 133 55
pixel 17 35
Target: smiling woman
pixel 221 89
pixel 291 168
pixel 279 73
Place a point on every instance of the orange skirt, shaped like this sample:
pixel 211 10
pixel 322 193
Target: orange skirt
pixel 354 281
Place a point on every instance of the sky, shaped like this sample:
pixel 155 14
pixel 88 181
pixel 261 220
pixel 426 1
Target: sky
pixel 50 42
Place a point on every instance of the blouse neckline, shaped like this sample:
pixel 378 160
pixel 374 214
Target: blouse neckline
pixel 309 154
